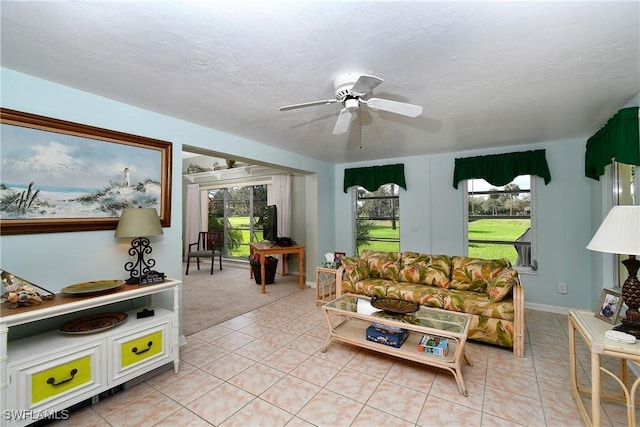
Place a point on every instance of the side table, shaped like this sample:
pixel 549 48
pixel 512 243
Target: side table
pixel 325 285
pixel 592 331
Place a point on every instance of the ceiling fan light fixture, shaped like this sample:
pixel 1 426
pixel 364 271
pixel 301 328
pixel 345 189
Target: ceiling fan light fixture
pixel 351 103
pixel 351 89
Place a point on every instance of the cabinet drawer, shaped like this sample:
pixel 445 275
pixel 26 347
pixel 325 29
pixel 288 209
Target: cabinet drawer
pixel 145 347
pixel 140 349
pixel 42 382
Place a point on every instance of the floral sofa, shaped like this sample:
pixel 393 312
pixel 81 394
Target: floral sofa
pixel 489 290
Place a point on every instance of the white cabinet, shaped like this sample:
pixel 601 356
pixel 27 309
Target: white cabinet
pixel 50 379
pixel 50 371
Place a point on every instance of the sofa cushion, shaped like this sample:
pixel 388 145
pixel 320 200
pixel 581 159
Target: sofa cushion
pixel 500 285
pixel 355 269
pixel 478 304
pixel 370 287
pixel 383 265
pixel 427 296
pixel 451 299
pixel 418 268
pixel 474 274
pixel 492 331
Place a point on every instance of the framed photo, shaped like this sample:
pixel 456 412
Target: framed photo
pixel 337 257
pixel 59 176
pixel 609 306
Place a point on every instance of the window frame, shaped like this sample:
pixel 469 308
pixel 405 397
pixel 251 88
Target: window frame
pixel 533 182
pixel 355 199
pixel 613 173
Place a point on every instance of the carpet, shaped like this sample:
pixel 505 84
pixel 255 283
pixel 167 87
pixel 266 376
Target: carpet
pixel 209 299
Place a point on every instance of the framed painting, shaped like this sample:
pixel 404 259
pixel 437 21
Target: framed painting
pixel 58 176
pixel 609 306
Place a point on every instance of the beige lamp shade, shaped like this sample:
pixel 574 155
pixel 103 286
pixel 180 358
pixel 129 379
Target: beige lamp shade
pixel 139 222
pixel 619 233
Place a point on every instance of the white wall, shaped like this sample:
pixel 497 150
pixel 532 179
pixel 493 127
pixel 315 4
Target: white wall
pixel 59 259
pixel 431 204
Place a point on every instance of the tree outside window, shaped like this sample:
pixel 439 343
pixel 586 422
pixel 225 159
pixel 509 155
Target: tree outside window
pixel 500 221
pixel 378 219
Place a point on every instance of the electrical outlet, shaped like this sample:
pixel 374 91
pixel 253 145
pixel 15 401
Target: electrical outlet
pixel 562 288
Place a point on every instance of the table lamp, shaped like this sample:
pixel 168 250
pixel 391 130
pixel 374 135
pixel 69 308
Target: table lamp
pixel 619 233
pixel 139 223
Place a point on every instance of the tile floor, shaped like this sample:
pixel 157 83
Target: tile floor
pixel 264 368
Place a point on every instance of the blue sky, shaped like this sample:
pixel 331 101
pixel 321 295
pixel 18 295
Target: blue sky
pixel 55 159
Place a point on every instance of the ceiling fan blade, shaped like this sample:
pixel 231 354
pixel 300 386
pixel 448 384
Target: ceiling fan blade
pixel 344 121
pixel 307 104
pixel 366 84
pixel 394 107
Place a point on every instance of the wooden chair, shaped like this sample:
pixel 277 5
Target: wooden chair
pixel 209 245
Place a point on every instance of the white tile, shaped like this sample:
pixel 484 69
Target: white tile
pixel 220 403
pixel 276 374
pixel 290 393
pixel 258 413
pixel 330 409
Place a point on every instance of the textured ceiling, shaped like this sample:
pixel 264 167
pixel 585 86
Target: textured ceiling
pixel 487 73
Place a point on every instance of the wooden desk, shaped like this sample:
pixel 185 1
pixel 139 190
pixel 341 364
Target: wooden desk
pixel 266 249
pixel 592 331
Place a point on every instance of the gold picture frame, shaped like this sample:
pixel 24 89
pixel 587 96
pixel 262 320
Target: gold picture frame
pixel 608 309
pixel 60 176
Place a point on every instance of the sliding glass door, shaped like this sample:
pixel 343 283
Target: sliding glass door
pixel 238 211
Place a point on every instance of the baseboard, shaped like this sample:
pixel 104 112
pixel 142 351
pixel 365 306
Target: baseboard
pixel 548 308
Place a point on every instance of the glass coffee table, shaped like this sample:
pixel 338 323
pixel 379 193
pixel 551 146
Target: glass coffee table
pixel 354 314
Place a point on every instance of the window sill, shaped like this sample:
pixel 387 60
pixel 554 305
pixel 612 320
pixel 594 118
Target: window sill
pixel 526 270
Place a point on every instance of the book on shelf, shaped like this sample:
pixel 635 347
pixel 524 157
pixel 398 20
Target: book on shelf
pixel 430 344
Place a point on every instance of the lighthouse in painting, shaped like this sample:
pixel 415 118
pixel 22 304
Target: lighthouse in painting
pixel 127 177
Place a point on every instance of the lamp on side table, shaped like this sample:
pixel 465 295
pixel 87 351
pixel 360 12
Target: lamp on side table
pixel 619 233
pixel 139 223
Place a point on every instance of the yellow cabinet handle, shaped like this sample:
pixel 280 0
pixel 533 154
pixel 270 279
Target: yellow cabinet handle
pixel 135 349
pixel 53 382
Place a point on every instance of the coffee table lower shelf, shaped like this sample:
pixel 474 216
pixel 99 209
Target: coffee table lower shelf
pixel 353 331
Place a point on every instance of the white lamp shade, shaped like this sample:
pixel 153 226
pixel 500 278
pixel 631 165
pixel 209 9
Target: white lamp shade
pixel 619 233
pixel 139 222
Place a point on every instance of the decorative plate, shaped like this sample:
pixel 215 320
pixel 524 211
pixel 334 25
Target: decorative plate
pixel 92 287
pixel 393 305
pixel 93 323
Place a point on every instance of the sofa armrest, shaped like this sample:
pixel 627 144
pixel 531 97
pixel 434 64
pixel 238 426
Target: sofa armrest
pixel 518 320
pixel 339 274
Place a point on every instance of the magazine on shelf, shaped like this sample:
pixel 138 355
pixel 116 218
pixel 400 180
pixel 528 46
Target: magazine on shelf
pixel 438 346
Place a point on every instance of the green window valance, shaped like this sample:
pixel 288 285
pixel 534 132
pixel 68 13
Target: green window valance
pixel 373 177
pixel 618 139
pixel 501 169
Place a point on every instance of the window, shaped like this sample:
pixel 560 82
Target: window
pixel 500 221
pixel 377 219
pixel 238 211
pixel 626 181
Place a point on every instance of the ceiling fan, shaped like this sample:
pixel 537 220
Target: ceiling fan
pixel 352 89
